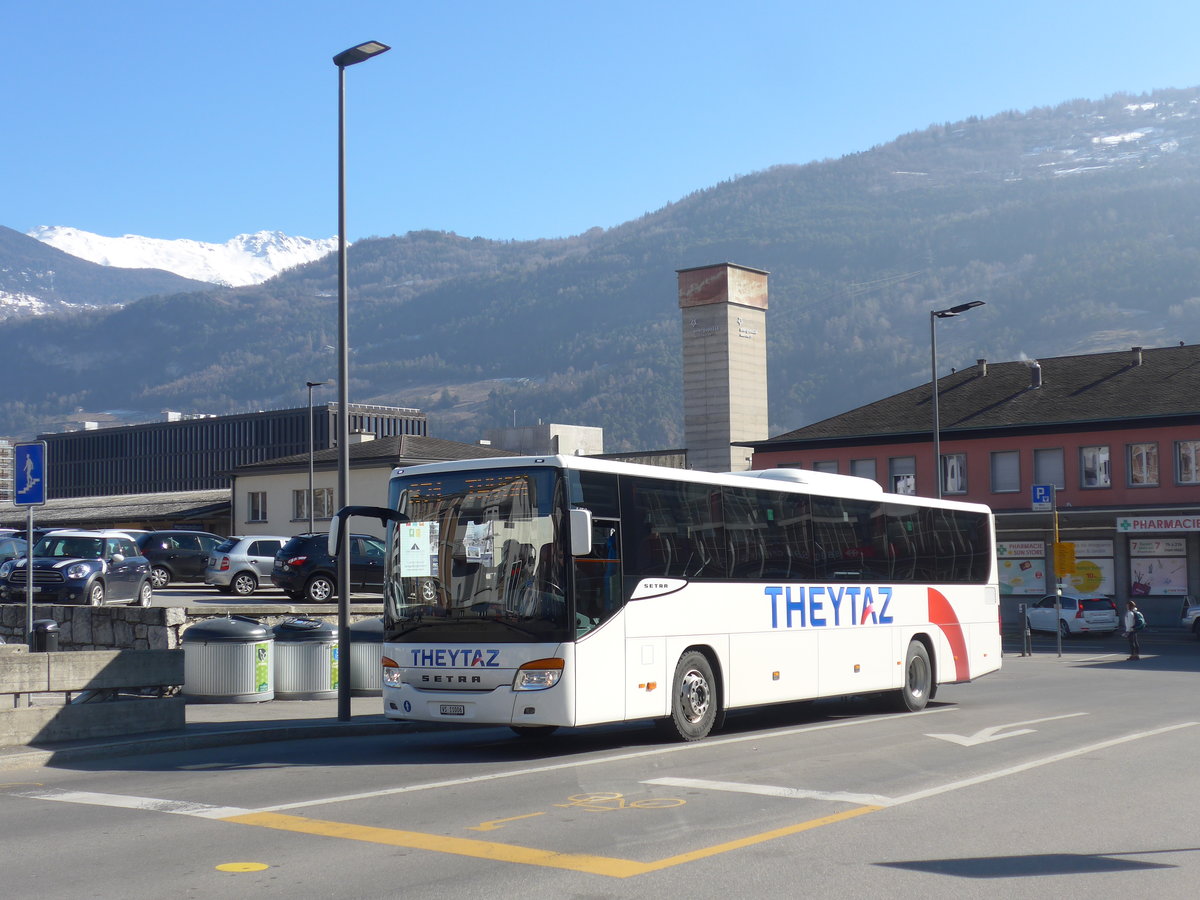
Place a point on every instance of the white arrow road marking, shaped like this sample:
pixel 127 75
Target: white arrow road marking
pixel 986 735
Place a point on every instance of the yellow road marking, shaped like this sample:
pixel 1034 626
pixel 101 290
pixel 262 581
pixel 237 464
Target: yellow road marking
pixel 242 867
pixel 514 853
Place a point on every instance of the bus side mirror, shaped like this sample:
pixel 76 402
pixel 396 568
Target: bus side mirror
pixel 338 524
pixel 581 532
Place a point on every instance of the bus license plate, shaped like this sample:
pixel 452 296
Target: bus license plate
pixel 453 709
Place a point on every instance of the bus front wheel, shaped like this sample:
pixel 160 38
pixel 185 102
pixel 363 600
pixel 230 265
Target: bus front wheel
pixel 694 703
pixel 918 679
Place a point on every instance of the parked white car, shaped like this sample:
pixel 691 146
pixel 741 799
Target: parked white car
pixel 1191 616
pixel 1079 614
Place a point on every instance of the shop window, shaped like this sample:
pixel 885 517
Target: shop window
pixel 1048 468
pixel 1187 462
pixel 1006 472
pixel 1094 469
pixel 1143 465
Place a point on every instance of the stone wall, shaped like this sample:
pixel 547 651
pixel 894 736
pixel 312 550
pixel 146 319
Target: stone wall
pixel 100 628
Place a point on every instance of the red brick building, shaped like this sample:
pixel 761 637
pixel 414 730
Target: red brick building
pixel 1116 434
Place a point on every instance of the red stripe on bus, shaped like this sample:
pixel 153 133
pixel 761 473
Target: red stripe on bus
pixel 941 614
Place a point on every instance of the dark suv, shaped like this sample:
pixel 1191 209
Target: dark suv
pixel 306 571
pixel 177 555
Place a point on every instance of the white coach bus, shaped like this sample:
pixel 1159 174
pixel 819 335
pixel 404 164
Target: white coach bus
pixel 539 592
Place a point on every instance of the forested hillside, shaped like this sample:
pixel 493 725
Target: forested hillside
pixel 1077 226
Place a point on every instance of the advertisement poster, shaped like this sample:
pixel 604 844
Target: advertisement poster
pixel 1020 576
pixel 262 667
pixel 1160 575
pixel 1022 566
pixel 1092 576
pixel 1158 547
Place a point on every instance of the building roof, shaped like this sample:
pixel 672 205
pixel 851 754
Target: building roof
pixel 410 449
pixel 90 511
pixel 1095 390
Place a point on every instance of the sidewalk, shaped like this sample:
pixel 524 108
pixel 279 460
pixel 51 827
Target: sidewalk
pixel 222 724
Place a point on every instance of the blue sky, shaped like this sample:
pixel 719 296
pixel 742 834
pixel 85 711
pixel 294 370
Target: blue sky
pixel 204 119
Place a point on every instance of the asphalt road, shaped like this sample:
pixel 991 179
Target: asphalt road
pixel 1065 777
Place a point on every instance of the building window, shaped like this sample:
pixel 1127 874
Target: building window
pixel 256 506
pixel 1093 467
pixel 322 504
pixel 863 468
pixel 1187 462
pixel 1048 468
pixel 828 465
pixel 902 474
pixel 1006 472
pixel 954 473
pixel 1143 465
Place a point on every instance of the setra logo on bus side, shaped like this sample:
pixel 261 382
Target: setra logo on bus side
pixel 814 606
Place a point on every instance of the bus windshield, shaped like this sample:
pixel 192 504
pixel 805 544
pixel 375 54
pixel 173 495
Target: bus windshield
pixel 480 559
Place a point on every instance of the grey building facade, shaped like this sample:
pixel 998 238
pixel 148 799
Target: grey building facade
pixel 197 453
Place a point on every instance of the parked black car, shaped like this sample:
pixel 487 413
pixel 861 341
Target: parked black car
pixel 177 555
pixel 91 567
pixel 306 571
pixel 11 546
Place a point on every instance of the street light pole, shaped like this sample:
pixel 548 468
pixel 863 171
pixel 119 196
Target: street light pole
pixel 934 315
pixel 354 55
pixel 310 385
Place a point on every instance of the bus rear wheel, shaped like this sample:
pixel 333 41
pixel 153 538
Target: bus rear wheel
pixel 694 704
pixel 918 679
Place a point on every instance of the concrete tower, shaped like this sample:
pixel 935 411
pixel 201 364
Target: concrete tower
pixel 724 363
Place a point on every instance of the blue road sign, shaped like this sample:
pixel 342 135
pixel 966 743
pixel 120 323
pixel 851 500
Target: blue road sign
pixel 1043 496
pixel 29 474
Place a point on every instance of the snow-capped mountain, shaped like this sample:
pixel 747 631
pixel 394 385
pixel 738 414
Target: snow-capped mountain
pixel 245 259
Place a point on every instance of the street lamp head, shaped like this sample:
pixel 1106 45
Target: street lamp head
pixel 358 54
pixel 955 310
pixel 313 384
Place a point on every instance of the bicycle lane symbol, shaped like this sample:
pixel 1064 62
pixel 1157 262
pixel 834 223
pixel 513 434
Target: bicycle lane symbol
pixel 606 801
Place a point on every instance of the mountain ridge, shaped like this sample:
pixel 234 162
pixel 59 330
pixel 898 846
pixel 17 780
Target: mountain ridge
pixel 1072 222
pixel 242 260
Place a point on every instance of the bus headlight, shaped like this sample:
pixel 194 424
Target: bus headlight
pixel 538 675
pixel 391 673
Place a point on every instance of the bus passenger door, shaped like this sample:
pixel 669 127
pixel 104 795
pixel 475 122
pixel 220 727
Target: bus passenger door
pixel 600 632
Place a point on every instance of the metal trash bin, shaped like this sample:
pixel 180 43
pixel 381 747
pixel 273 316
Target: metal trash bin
pixel 366 657
pixel 229 660
pixel 306 666
pixel 44 638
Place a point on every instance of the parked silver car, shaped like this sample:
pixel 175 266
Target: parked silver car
pixel 239 564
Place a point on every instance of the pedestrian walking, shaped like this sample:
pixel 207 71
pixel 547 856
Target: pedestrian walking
pixel 1134 622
